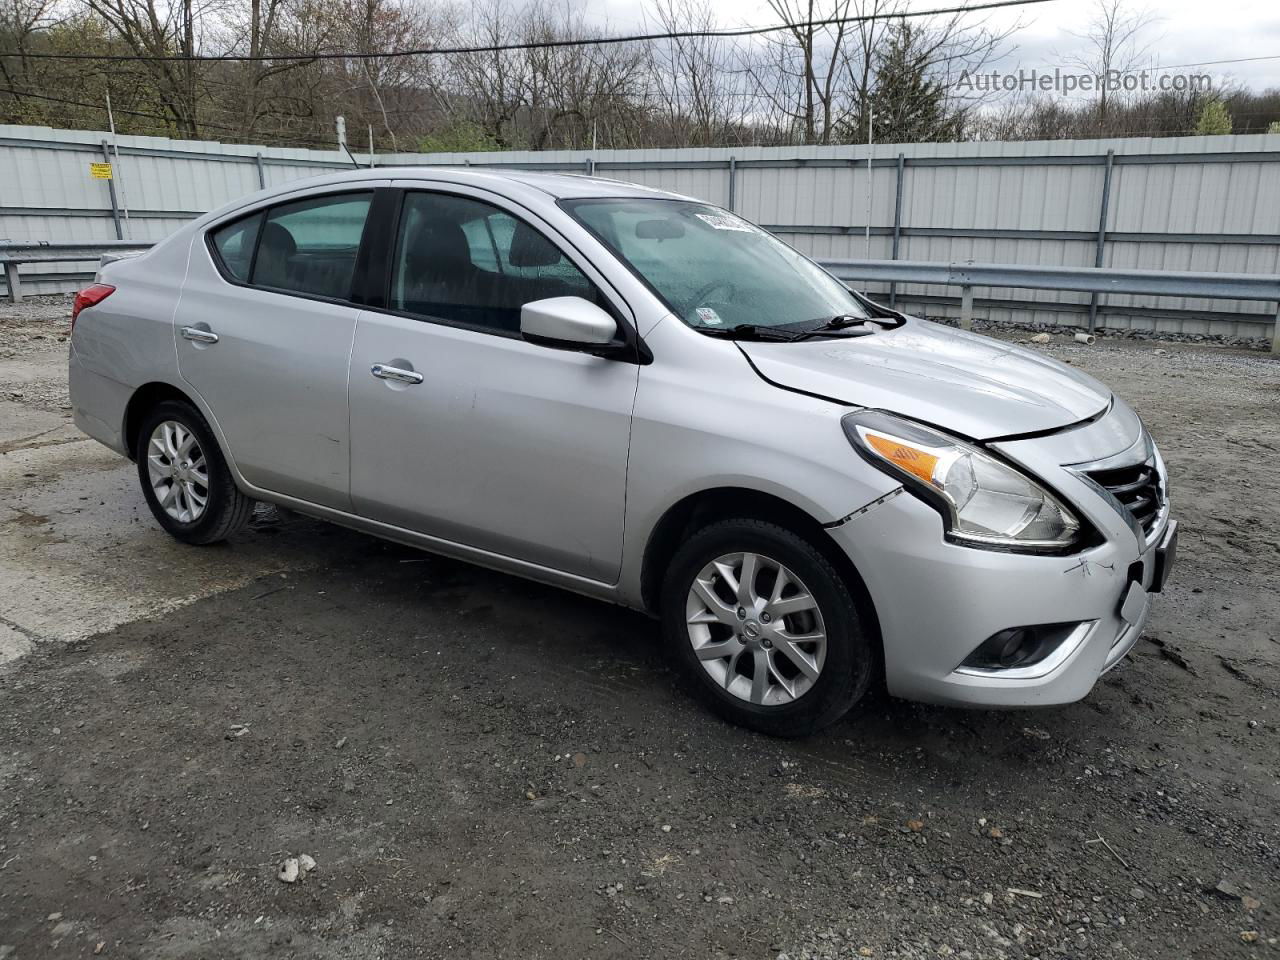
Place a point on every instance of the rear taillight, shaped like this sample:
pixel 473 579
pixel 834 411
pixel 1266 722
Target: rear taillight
pixel 89 297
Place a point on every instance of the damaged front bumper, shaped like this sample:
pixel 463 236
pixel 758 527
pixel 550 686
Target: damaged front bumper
pixel 945 609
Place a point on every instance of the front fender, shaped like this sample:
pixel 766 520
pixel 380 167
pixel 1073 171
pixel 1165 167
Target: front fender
pixel 705 420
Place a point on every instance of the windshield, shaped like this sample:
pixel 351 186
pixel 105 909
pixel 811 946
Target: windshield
pixel 713 269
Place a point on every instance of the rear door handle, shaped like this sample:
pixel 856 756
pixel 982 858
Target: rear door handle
pixel 198 335
pixel 384 372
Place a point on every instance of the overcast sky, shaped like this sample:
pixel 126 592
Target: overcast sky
pixel 1185 31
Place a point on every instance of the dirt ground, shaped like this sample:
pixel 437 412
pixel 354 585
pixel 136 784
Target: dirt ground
pixel 483 767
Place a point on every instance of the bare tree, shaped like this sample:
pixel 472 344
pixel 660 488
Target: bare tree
pixel 253 93
pixel 802 72
pixel 21 22
pixel 162 28
pixel 1114 44
pixel 487 86
pixel 544 96
pixel 699 90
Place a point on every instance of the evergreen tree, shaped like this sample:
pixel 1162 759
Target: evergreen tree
pixel 909 102
pixel 1214 119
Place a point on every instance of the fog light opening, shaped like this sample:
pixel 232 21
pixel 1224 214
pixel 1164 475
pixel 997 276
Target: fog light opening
pixel 1018 647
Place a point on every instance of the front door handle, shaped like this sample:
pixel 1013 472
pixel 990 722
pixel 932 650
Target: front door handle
pixel 384 372
pixel 198 335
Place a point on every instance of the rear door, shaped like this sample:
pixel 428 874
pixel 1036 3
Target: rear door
pixel 493 442
pixel 264 330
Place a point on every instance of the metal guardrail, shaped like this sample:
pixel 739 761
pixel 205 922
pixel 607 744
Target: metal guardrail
pixel 1095 280
pixel 12 255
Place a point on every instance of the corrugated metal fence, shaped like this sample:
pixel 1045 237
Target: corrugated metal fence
pixel 1192 203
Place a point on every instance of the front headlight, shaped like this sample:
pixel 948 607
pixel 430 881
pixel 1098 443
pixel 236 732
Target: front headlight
pixel 984 501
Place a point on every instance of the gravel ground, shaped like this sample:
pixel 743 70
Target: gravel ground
pixel 38 326
pixel 484 767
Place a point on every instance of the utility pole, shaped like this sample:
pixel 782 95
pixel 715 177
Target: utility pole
pixel 115 168
pixel 871 117
pixel 189 51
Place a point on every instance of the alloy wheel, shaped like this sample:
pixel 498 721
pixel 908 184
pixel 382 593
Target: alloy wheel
pixel 178 472
pixel 756 628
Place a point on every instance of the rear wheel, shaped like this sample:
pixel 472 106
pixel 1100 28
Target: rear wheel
pixel 184 477
pixel 765 628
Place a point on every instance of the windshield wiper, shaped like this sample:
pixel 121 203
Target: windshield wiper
pixel 841 322
pixel 833 326
pixel 752 331
pixel 838 327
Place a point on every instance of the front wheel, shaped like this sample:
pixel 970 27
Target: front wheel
pixel 765 628
pixel 184 477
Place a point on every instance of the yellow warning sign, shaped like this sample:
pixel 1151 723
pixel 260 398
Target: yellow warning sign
pixel 100 171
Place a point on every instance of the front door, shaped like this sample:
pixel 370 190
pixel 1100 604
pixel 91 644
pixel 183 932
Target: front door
pixel 264 330
pixel 482 438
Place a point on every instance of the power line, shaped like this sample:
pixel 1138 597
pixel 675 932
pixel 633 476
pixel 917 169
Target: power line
pixel 1214 63
pixel 167 121
pixel 531 44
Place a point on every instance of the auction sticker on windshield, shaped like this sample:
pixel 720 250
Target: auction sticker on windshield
pixel 709 317
pixel 725 222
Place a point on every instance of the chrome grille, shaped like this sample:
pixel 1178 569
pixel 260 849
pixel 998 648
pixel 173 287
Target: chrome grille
pixel 1138 487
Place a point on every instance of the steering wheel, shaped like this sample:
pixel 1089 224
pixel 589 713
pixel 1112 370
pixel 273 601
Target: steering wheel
pixel 705 291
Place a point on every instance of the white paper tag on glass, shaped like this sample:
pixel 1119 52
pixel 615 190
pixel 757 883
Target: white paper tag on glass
pixel 724 221
pixel 709 317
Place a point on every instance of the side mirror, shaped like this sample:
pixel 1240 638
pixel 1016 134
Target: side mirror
pixel 568 323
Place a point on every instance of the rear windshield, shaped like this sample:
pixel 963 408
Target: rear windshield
pixel 714 269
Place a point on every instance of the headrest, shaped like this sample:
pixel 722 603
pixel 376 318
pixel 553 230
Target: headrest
pixel 529 248
pixel 278 238
pixel 438 242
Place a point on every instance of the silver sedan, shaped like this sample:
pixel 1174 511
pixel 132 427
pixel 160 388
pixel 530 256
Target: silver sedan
pixel 649 400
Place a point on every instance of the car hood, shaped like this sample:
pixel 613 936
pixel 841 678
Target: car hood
pixel 971 385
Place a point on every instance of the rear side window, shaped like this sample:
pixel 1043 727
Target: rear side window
pixel 235 243
pixel 310 246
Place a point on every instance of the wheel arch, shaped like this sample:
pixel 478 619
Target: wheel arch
pixel 704 507
pixel 143 399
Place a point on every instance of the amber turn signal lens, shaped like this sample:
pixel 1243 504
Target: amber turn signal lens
pixel 915 462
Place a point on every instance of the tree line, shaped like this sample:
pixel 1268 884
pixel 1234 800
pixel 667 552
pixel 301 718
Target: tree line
pixel 888 78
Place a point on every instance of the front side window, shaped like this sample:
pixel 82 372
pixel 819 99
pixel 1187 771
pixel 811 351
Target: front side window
pixel 468 262
pixel 310 246
pixel 714 269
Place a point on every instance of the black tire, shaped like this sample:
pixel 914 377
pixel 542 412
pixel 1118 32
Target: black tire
pixel 849 666
pixel 226 509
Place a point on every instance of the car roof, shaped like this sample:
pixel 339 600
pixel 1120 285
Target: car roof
pixel 562 186
pixel 558 186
